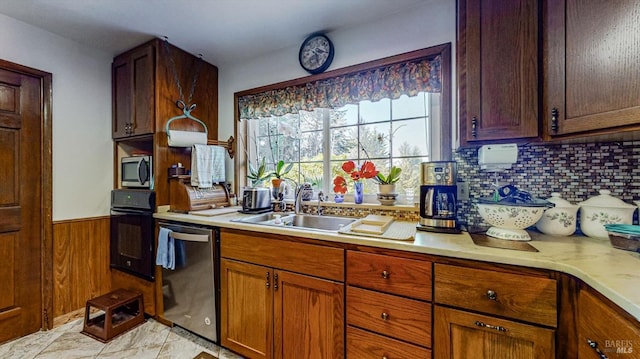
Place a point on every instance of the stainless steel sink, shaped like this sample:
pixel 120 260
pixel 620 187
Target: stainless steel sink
pixel 307 221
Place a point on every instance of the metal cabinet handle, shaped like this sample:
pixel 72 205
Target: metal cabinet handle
pixel 489 326
pixel 268 281
pixel 384 357
pixel 275 281
pixel 594 345
pixel 492 295
pixel 554 119
pixel 385 274
pixel 384 316
pixel 474 127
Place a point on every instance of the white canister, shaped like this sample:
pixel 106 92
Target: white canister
pixel 559 220
pixel 603 209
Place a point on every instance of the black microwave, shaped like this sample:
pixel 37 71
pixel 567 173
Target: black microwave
pixel 136 172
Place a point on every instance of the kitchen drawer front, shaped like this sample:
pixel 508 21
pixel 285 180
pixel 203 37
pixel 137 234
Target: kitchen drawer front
pixel 522 297
pixel 363 344
pixel 401 318
pixel 401 276
pixel 311 259
pixel 613 335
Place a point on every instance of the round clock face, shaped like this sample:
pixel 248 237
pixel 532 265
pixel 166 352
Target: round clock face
pixel 316 54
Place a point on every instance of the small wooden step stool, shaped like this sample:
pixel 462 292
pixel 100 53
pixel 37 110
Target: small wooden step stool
pixel 122 310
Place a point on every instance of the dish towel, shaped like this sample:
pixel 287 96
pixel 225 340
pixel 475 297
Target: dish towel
pixel 207 165
pixel 166 255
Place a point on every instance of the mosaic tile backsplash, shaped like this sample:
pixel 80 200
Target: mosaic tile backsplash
pixel 576 171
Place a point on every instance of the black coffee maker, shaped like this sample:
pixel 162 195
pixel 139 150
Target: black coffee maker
pixel 438 202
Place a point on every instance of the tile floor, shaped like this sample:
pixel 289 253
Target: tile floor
pixel 150 340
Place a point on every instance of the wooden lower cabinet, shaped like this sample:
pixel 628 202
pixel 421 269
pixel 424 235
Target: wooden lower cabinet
pixel 602 331
pixel 269 312
pixel 460 334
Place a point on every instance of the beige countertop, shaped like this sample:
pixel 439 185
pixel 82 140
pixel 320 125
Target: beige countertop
pixel 613 272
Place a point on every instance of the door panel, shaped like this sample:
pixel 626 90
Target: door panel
pixel 21 219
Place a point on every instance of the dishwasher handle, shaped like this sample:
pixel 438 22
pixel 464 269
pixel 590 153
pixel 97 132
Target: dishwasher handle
pixel 190 237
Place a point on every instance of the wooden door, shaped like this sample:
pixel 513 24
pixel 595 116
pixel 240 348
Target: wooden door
pixel 460 335
pixel 22 207
pixel 246 306
pixel 591 77
pixel 133 77
pixel 498 69
pixel 309 317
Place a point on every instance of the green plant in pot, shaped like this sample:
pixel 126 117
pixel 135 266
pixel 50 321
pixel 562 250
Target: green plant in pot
pixel 387 184
pixel 258 175
pixel 281 170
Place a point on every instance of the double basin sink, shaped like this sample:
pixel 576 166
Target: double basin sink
pixel 301 221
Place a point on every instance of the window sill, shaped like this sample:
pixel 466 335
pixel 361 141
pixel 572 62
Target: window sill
pixel 365 205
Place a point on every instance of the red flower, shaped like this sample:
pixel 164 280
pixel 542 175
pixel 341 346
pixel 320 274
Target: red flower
pixel 339 185
pixel 368 170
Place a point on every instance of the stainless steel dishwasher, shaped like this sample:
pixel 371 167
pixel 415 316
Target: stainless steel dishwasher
pixel 189 291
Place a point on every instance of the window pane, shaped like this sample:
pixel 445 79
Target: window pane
pixel 375 140
pixel 375 111
pixel 409 107
pixel 410 138
pixel 345 115
pixel 344 143
pixel 310 120
pixel 311 146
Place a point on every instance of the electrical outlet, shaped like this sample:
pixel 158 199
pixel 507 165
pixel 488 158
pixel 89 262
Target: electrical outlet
pixel 463 191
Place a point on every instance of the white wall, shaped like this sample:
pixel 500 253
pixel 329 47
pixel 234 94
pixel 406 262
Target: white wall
pixel 82 145
pixel 426 25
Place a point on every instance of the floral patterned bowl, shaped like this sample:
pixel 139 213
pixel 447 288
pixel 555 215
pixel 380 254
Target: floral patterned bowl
pixel 559 220
pixel 603 209
pixel 509 221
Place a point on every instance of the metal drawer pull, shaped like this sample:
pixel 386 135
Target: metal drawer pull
pixel 384 316
pixel 385 274
pixel 384 357
pixel 489 326
pixel 492 295
pixel 594 345
pixel 275 281
pixel 268 281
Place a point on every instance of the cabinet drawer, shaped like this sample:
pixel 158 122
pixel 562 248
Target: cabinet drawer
pixel 401 276
pixel 401 318
pixel 613 334
pixel 265 249
pixel 363 344
pixel 523 297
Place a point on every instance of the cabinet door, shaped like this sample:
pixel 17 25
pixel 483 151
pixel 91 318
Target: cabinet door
pixel 591 77
pixel 309 317
pixel 133 93
pixel 246 306
pixel 601 329
pixel 460 334
pixel 498 69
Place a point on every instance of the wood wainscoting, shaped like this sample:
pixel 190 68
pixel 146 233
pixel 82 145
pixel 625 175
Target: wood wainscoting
pixel 80 262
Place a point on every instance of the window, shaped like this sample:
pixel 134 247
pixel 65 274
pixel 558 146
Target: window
pixel 394 112
pixel 386 132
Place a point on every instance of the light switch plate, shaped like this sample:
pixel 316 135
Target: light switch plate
pixel 463 191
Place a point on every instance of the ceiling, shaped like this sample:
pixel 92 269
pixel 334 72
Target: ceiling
pixel 223 31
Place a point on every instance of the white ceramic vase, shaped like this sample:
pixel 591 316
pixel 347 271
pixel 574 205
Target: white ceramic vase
pixel 559 220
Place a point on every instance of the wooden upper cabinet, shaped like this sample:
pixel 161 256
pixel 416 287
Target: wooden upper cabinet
pixel 498 69
pixel 133 93
pixel 591 74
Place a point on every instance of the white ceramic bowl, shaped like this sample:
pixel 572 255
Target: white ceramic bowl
pixel 603 209
pixel 509 221
pixel 559 220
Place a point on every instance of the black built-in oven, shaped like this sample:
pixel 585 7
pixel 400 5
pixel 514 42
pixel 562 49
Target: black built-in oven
pixel 132 232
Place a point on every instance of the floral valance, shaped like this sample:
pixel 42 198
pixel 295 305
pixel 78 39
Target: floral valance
pixel 393 81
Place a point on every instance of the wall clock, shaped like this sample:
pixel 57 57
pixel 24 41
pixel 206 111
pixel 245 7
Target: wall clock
pixel 316 53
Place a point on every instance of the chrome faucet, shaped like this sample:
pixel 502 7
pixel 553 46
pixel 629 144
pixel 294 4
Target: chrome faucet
pixel 321 198
pixel 298 199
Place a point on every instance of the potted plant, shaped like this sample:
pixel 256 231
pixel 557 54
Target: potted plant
pixel 258 175
pixel 387 184
pixel 280 171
